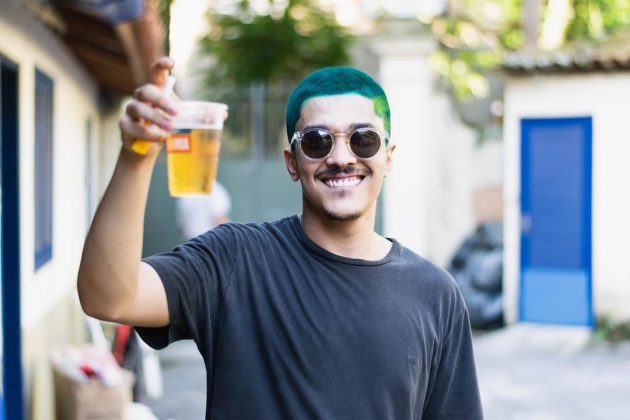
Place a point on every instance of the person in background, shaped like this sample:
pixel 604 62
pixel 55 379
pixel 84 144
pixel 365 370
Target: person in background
pixel 198 213
pixel 312 316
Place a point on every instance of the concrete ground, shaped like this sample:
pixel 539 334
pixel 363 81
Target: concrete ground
pixel 537 372
pixel 530 372
pixel 184 376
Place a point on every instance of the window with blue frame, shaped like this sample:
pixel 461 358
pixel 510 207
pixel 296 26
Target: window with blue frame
pixel 43 168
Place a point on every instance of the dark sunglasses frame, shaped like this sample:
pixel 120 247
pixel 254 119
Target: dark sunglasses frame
pixel 299 135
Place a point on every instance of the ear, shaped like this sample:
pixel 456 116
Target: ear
pixel 389 160
pixel 291 163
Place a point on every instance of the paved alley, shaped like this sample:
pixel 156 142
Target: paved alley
pixel 526 372
pixel 184 377
pixel 536 372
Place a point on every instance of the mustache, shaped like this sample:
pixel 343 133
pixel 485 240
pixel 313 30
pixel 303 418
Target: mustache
pixel 336 170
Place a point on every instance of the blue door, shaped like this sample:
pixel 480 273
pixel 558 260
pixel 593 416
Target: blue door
pixel 10 350
pixel 555 285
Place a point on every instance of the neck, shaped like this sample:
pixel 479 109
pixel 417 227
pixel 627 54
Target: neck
pixel 351 239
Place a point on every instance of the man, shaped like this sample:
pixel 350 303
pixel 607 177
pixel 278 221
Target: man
pixel 310 316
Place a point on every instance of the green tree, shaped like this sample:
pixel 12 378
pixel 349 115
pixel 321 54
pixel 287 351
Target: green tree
pixel 278 45
pixel 475 35
pixel 597 19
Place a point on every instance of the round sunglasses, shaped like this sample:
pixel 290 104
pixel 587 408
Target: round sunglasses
pixel 318 143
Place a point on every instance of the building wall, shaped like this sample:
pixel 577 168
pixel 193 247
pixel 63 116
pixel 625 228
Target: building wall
pixel 31 45
pixel 43 292
pixel 459 168
pixel 64 324
pixel 438 163
pixel 601 97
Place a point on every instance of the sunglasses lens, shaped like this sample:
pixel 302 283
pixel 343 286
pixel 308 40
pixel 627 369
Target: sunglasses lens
pixel 365 143
pixel 316 144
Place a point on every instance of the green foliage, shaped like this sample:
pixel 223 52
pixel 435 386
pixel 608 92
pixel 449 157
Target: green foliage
pixel 597 19
pixel 608 330
pixel 282 44
pixel 475 35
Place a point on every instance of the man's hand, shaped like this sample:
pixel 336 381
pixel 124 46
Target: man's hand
pixel 147 116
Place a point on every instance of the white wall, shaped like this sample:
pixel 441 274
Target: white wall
pixel 605 98
pixel 31 45
pixel 406 78
pixel 438 164
pixel 461 167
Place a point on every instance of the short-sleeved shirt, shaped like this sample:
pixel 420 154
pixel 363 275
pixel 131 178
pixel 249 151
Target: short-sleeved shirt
pixel 289 330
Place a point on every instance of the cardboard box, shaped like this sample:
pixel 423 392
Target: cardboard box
pixel 488 204
pixel 91 400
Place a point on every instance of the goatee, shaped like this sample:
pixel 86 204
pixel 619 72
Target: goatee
pixel 341 217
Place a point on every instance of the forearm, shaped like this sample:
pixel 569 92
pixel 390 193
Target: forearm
pixel 108 275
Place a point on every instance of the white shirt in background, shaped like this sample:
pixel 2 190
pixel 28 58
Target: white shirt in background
pixel 197 214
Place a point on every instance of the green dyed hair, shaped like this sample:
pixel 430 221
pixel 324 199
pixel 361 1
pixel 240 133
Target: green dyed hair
pixel 336 81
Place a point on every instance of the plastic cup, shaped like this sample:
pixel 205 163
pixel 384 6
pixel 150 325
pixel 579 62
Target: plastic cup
pixel 192 149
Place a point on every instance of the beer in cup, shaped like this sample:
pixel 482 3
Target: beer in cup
pixel 192 149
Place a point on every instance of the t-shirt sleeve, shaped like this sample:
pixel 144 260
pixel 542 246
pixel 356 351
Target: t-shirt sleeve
pixel 454 393
pixel 196 276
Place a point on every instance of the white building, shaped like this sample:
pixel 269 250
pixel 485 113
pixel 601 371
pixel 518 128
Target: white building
pixel 439 166
pixel 63 73
pixel 566 193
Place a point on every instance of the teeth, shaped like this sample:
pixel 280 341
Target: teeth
pixel 343 182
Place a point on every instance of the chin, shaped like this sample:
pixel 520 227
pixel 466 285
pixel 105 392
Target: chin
pixel 342 216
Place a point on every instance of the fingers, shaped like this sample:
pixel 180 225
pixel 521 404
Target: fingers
pixel 135 129
pixel 143 112
pixel 147 115
pixel 155 97
pixel 160 70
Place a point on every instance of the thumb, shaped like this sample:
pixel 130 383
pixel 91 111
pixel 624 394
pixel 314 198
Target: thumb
pixel 160 71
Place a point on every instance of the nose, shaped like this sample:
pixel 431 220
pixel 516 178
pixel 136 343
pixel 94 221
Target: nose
pixel 341 155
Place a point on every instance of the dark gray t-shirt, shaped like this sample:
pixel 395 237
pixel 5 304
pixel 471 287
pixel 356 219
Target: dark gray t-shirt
pixel 289 330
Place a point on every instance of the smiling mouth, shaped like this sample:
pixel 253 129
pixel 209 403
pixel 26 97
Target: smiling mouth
pixel 344 182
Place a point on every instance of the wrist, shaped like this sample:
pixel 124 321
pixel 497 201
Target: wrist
pixel 132 158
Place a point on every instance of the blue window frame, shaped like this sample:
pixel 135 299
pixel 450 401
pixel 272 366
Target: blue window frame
pixel 11 350
pixel 43 168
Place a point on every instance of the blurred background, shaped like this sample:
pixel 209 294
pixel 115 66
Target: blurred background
pixel 510 120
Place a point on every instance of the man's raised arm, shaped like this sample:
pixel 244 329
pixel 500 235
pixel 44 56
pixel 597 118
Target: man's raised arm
pixel 113 283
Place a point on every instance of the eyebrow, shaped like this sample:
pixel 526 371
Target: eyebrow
pixel 352 127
